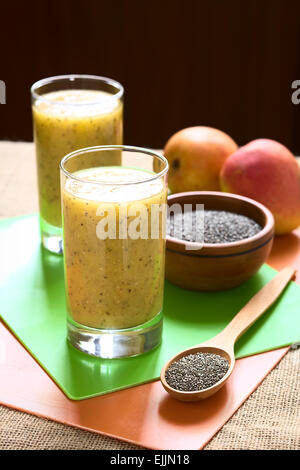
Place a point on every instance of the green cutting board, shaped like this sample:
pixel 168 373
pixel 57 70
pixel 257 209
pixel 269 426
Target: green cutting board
pixel 32 304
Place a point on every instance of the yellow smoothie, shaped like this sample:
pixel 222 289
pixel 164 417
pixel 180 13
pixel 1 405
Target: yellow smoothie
pixel 114 282
pixel 65 121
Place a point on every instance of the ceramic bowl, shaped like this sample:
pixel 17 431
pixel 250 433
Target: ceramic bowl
pixel 212 267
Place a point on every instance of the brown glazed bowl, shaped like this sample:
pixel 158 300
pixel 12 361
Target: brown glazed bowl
pixel 212 267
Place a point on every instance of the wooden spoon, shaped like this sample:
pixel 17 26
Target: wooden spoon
pixel 223 343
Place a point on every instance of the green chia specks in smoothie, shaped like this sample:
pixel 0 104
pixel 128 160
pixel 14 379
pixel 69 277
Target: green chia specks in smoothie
pixel 65 121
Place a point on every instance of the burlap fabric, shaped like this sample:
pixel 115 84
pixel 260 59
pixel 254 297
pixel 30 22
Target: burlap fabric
pixel 269 419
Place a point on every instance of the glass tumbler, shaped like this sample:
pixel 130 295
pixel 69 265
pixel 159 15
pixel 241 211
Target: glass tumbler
pixel 114 219
pixel 70 112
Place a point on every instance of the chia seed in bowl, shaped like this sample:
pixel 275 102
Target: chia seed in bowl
pixel 211 226
pixel 238 250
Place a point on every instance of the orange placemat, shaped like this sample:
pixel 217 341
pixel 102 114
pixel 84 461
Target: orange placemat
pixel 144 415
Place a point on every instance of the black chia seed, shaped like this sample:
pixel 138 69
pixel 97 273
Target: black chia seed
pixel 218 226
pixel 196 371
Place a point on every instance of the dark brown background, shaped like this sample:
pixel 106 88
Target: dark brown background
pixel 222 63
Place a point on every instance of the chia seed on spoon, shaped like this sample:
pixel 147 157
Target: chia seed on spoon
pixel 196 371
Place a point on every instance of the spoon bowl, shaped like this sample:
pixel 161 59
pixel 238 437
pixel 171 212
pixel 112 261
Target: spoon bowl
pixel 223 343
pixel 207 392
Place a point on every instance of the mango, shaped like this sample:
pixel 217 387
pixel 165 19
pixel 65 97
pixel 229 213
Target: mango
pixel 196 156
pixel 266 171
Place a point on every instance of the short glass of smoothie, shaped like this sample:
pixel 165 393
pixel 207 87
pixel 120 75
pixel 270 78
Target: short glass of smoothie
pixel 70 112
pixel 114 219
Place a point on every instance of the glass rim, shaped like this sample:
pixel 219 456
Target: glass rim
pixel 125 148
pixel 73 77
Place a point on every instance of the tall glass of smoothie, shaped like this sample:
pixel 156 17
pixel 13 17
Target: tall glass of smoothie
pixel 70 112
pixel 114 220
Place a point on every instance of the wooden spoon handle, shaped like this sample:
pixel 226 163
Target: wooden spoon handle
pixel 259 303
